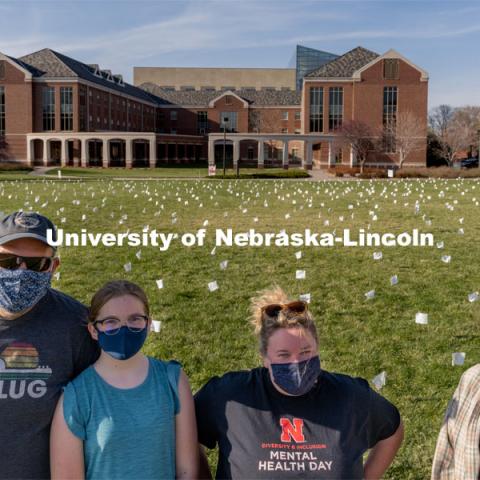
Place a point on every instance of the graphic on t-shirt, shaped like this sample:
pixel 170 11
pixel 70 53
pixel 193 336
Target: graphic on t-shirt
pixel 21 372
pixel 292 431
pixel 294 453
pixel 20 361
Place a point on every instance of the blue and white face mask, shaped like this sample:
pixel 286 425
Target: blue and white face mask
pixel 296 378
pixel 21 289
pixel 124 344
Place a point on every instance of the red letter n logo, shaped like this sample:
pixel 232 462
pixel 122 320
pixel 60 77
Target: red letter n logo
pixel 292 431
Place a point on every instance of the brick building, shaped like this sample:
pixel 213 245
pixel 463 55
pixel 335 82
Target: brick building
pixel 57 110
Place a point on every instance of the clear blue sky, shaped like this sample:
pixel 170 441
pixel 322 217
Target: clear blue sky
pixel 441 36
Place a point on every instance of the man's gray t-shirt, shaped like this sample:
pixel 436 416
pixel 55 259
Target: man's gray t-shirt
pixel 39 353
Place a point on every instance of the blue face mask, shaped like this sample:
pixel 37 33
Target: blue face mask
pixel 296 378
pixel 21 289
pixel 124 344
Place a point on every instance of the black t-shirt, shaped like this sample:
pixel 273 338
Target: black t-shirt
pixel 39 353
pixel 262 433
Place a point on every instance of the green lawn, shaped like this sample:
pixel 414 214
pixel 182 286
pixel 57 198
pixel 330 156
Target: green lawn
pixel 209 332
pixel 178 171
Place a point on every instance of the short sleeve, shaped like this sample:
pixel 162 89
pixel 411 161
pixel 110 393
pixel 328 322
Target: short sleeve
pixel 384 418
pixel 207 416
pixel 72 412
pixel 173 374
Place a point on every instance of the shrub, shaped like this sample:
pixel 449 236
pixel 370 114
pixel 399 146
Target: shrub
pixel 11 166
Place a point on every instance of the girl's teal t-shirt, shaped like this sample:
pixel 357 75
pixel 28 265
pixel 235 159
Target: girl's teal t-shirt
pixel 126 433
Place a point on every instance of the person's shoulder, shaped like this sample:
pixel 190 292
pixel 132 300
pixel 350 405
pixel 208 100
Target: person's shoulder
pixel 231 382
pixel 471 377
pixel 164 366
pixel 65 300
pixel 346 383
pixel 80 384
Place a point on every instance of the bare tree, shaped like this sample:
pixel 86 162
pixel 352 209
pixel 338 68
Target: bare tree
pixel 408 134
pixel 439 119
pixel 457 137
pixel 264 122
pixel 360 136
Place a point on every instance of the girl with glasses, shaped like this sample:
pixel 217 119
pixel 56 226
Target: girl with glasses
pixel 290 418
pixel 127 416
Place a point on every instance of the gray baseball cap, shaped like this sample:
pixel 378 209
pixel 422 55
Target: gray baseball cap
pixel 25 225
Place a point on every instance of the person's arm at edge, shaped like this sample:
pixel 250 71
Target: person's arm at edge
pixel 204 468
pixel 382 455
pixel 66 450
pixel 187 454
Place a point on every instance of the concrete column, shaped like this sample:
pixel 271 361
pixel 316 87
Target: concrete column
pixel 236 153
pixel 105 153
pixel 308 156
pixel 176 152
pixel 211 152
pixel 261 154
pixel 83 152
pixel 30 155
pixel 128 153
pixel 352 157
pixel 45 152
pixel 166 153
pixel 330 156
pixel 285 155
pixel 63 153
pixel 153 153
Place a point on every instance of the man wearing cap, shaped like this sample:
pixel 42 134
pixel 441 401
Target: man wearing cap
pixel 43 344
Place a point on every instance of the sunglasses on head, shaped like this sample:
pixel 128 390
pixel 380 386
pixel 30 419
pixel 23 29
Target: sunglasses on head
pixel 274 309
pixel 13 262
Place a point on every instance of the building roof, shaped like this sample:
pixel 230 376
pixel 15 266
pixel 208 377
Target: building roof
pixel 345 65
pixel 49 64
pixel 202 98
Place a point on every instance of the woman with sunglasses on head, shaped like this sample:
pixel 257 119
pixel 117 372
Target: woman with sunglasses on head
pixel 127 416
pixel 290 418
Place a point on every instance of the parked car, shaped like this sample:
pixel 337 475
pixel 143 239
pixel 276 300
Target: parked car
pixel 469 163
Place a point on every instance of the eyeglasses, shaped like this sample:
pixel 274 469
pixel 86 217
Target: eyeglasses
pixel 37 264
pixel 111 325
pixel 274 309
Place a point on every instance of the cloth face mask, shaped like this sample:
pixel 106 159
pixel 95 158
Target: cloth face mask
pixel 21 289
pixel 296 378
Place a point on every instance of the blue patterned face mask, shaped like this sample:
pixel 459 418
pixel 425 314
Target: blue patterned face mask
pixel 21 289
pixel 296 378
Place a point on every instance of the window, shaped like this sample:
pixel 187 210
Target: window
pixel 2 111
pixel 295 154
pixel 284 130
pixel 173 115
pixel 48 108
pixel 250 153
pixel 298 116
pixel 297 131
pixel 390 68
pixel 389 118
pixel 202 122
pixel 66 108
pixel 229 120
pixel 284 115
pixel 228 99
pixel 173 131
pixel 316 109
pixel 335 107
